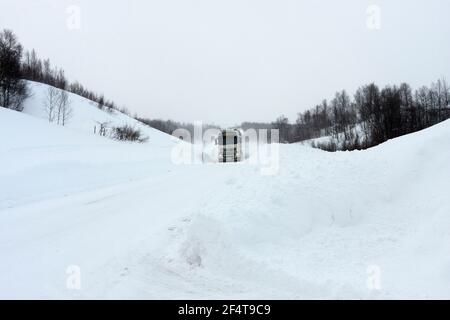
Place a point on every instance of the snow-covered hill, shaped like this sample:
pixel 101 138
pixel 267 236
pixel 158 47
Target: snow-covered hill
pixel 86 115
pixel 139 226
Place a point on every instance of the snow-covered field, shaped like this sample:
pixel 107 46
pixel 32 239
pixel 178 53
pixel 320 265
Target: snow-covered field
pixel 364 225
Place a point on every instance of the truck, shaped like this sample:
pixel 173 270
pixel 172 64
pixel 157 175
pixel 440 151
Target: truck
pixel 229 142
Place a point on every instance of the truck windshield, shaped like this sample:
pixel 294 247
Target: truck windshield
pixel 227 140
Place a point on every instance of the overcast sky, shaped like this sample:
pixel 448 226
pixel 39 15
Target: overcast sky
pixel 233 60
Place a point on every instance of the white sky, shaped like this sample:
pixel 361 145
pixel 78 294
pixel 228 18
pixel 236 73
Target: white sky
pixel 233 60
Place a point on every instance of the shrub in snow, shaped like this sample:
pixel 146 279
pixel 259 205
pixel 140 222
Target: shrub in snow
pixel 128 133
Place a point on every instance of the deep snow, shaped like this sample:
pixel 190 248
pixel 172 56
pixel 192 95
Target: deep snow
pixel 139 226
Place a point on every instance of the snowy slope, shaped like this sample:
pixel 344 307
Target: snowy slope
pixel 139 226
pixel 356 130
pixel 85 114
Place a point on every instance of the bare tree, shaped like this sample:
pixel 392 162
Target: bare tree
pixel 446 93
pixel 103 128
pixel 13 90
pixel 65 111
pixel 282 124
pixel 57 106
pixel 51 102
pixel 101 102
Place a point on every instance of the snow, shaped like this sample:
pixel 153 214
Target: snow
pixel 139 226
pixel 356 130
pixel 85 114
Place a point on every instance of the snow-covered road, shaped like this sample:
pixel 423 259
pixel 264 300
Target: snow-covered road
pixel 139 226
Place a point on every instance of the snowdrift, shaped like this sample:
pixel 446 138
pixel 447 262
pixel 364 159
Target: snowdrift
pixel 320 228
pixel 138 226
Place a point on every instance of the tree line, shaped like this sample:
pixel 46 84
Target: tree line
pixel 169 126
pixel 370 116
pixel 41 70
pixel 16 66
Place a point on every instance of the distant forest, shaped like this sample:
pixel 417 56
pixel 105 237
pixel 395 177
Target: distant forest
pixel 367 118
